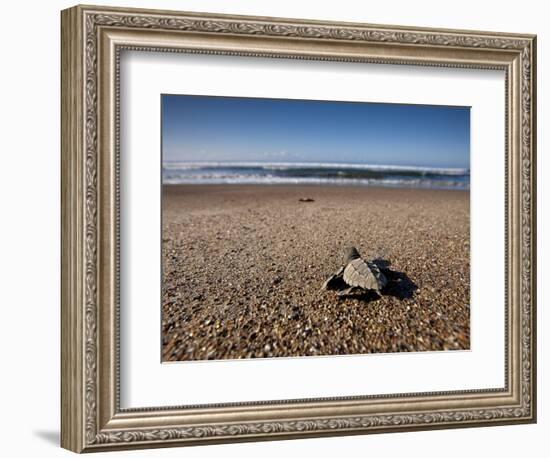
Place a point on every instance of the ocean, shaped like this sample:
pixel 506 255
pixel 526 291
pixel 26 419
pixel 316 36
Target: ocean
pixel 315 173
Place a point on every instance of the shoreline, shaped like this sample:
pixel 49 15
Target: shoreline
pixel 320 185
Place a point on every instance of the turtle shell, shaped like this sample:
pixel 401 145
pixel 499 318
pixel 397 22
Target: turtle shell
pixel 363 274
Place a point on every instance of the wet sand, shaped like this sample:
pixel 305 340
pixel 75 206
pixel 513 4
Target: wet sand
pixel 243 266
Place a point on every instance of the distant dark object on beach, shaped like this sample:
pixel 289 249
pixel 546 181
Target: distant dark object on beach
pixel 369 279
pixel 306 199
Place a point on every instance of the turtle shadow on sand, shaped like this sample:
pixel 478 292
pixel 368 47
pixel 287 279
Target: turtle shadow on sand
pixel 399 284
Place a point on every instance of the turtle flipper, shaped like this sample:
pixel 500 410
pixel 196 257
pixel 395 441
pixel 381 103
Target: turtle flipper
pixel 351 291
pixel 335 281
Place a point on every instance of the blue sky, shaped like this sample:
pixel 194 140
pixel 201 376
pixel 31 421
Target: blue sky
pixel 202 128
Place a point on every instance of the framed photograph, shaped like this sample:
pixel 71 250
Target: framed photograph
pixel 279 228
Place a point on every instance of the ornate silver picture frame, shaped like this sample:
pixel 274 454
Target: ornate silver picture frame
pixel 93 39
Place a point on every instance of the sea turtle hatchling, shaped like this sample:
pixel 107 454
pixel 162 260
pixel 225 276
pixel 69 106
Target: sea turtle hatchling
pixel 356 276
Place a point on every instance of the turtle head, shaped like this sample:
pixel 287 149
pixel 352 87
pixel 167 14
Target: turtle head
pixel 351 254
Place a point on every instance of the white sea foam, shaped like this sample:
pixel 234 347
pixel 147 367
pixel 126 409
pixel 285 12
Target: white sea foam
pixel 168 165
pixel 314 173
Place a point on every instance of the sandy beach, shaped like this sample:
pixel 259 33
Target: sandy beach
pixel 243 266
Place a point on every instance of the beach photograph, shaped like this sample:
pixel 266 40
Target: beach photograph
pixel 303 228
